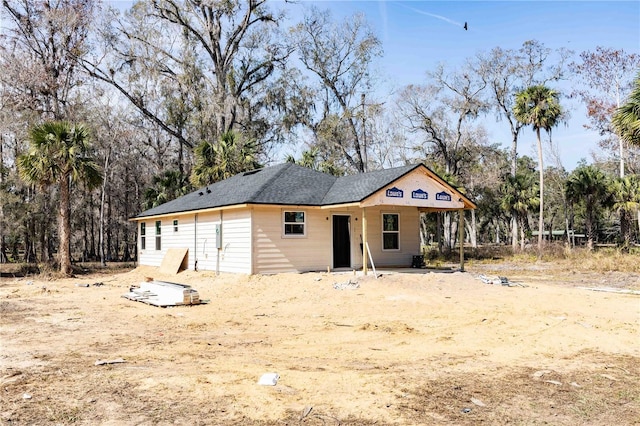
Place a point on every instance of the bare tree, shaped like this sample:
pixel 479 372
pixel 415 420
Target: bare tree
pixel 606 79
pixel 341 56
pixel 196 69
pixel 444 113
pixel 39 51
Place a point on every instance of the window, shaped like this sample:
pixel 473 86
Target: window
pixel 158 236
pixel 391 231
pixel 294 224
pixel 143 236
pixel 175 225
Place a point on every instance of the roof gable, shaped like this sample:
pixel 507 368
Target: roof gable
pixel 422 188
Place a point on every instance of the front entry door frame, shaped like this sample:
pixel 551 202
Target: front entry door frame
pixel 341 240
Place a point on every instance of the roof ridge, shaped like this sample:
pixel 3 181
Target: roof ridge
pixel 284 166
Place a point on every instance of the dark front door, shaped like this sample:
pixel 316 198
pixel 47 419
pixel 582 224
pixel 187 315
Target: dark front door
pixel 341 241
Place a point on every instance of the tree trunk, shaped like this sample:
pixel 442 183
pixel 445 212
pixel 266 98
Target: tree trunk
pixel 514 169
pixel 447 225
pixel 625 229
pixel 439 231
pixel 621 153
pixel 3 247
pixel 102 196
pixel 541 217
pixel 65 226
pixel 472 230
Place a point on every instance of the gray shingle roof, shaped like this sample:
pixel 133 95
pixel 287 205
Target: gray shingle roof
pixel 353 188
pixel 284 184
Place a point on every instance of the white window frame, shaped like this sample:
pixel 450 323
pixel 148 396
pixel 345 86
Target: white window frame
pixel 143 235
pixel 285 223
pixel 158 235
pixel 383 232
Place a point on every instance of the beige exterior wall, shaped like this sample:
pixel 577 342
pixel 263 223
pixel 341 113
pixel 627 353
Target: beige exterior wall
pixel 169 238
pixel 409 219
pixel 197 232
pixel 273 252
pixel 234 254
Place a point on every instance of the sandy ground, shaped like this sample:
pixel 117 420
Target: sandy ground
pixel 411 349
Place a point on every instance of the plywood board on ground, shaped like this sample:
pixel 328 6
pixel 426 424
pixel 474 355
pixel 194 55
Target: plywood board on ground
pixel 174 261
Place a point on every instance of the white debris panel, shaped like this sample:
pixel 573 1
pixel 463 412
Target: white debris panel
pixel 162 293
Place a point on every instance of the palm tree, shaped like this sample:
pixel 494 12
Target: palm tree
pixel 626 200
pixel 227 157
pixel 59 154
pixel 166 187
pixel 518 198
pixel 539 107
pixel 589 186
pixel 626 119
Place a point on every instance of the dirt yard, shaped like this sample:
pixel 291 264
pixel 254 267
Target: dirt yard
pixel 404 349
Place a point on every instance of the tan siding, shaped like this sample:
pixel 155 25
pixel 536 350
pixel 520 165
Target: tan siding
pixel 234 254
pixel 236 241
pixel 409 236
pixel 150 256
pixel 183 238
pixel 269 251
pixel 275 253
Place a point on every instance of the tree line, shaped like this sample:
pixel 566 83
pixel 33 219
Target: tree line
pixel 106 112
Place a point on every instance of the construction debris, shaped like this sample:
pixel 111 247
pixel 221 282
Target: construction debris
pixel 110 361
pixel 349 285
pixel 269 379
pixel 478 402
pixel 496 280
pixel 612 290
pixel 163 294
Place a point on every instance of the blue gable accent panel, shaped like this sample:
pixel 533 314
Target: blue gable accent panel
pixel 419 194
pixel 395 193
pixel 443 196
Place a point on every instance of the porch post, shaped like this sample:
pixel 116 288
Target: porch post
pixel 364 241
pixel 461 239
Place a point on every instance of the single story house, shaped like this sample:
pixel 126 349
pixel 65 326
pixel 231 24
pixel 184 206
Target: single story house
pixel 289 218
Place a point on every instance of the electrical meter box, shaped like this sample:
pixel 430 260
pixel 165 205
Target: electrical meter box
pixel 218 236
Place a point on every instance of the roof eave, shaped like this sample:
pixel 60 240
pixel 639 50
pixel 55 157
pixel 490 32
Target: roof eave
pixel 187 212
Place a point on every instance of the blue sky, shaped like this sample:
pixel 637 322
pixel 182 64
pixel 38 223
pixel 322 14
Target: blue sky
pixel 418 35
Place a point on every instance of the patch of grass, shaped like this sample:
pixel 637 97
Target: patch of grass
pixel 48 271
pixel 607 259
pixel 516 397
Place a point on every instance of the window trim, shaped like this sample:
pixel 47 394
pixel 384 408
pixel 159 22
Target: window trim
pixel 143 235
pixel 158 235
pixel 383 232
pixel 303 223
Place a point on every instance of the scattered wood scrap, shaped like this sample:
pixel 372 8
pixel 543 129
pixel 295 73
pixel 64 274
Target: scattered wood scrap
pixel 110 361
pixel 496 280
pixel 163 294
pixel 612 290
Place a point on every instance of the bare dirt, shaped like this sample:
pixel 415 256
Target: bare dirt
pixel 403 349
